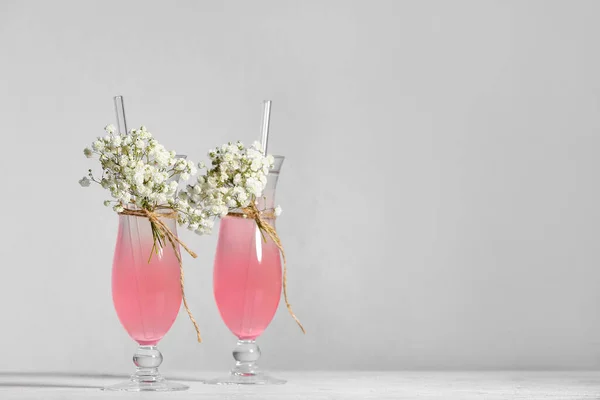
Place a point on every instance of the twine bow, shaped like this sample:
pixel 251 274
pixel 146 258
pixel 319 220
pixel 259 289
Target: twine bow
pixel 252 212
pixel 160 232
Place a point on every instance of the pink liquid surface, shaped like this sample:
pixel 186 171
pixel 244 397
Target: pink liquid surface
pixel 146 296
pixel 247 277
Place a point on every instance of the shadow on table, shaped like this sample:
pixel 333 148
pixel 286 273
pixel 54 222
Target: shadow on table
pixel 38 380
pixel 47 385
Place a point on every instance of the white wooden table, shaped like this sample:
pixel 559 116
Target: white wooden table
pixel 326 386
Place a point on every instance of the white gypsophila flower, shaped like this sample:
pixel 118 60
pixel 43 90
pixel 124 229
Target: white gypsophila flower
pixel 277 211
pixel 237 179
pixel 256 164
pixel 254 186
pixel 237 176
pixel 98 145
pixel 138 170
pixel 85 181
pixel 109 128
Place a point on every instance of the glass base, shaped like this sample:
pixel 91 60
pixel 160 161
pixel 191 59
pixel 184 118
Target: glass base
pixel 246 372
pixel 146 377
pixel 136 385
pixel 246 379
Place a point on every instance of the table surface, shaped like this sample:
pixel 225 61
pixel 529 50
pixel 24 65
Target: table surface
pixel 325 386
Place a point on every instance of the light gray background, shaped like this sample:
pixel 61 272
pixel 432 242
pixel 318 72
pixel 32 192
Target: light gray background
pixel 440 191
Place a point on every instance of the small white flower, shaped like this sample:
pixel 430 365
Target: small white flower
pixel 256 164
pixel 231 203
pixel 159 178
pixel 180 165
pixel 85 181
pixel 161 198
pixel 138 178
pixel 109 128
pixel 98 145
pixel 125 197
pixel 277 211
pixel 211 182
pixel 106 203
pixel 242 197
pixel 253 186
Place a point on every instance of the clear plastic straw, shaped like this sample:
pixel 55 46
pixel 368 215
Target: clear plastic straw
pixel 120 111
pixel 265 126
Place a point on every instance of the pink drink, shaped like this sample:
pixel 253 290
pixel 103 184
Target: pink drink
pixel 147 296
pixel 247 277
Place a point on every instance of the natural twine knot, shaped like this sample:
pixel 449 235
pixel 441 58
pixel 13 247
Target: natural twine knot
pixel 161 231
pixel 261 218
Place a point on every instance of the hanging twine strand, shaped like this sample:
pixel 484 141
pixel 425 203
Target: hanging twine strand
pixel 161 232
pixel 261 218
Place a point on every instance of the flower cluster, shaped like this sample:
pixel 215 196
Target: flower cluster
pixel 138 171
pixel 238 176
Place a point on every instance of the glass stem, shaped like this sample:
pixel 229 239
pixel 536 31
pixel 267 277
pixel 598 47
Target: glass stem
pixel 246 353
pixel 147 359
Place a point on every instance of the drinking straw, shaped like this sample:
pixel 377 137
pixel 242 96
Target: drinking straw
pixel 265 125
pixel 120 111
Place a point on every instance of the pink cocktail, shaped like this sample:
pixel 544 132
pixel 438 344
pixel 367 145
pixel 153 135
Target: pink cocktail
pixel 247 277
pixel 147 296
